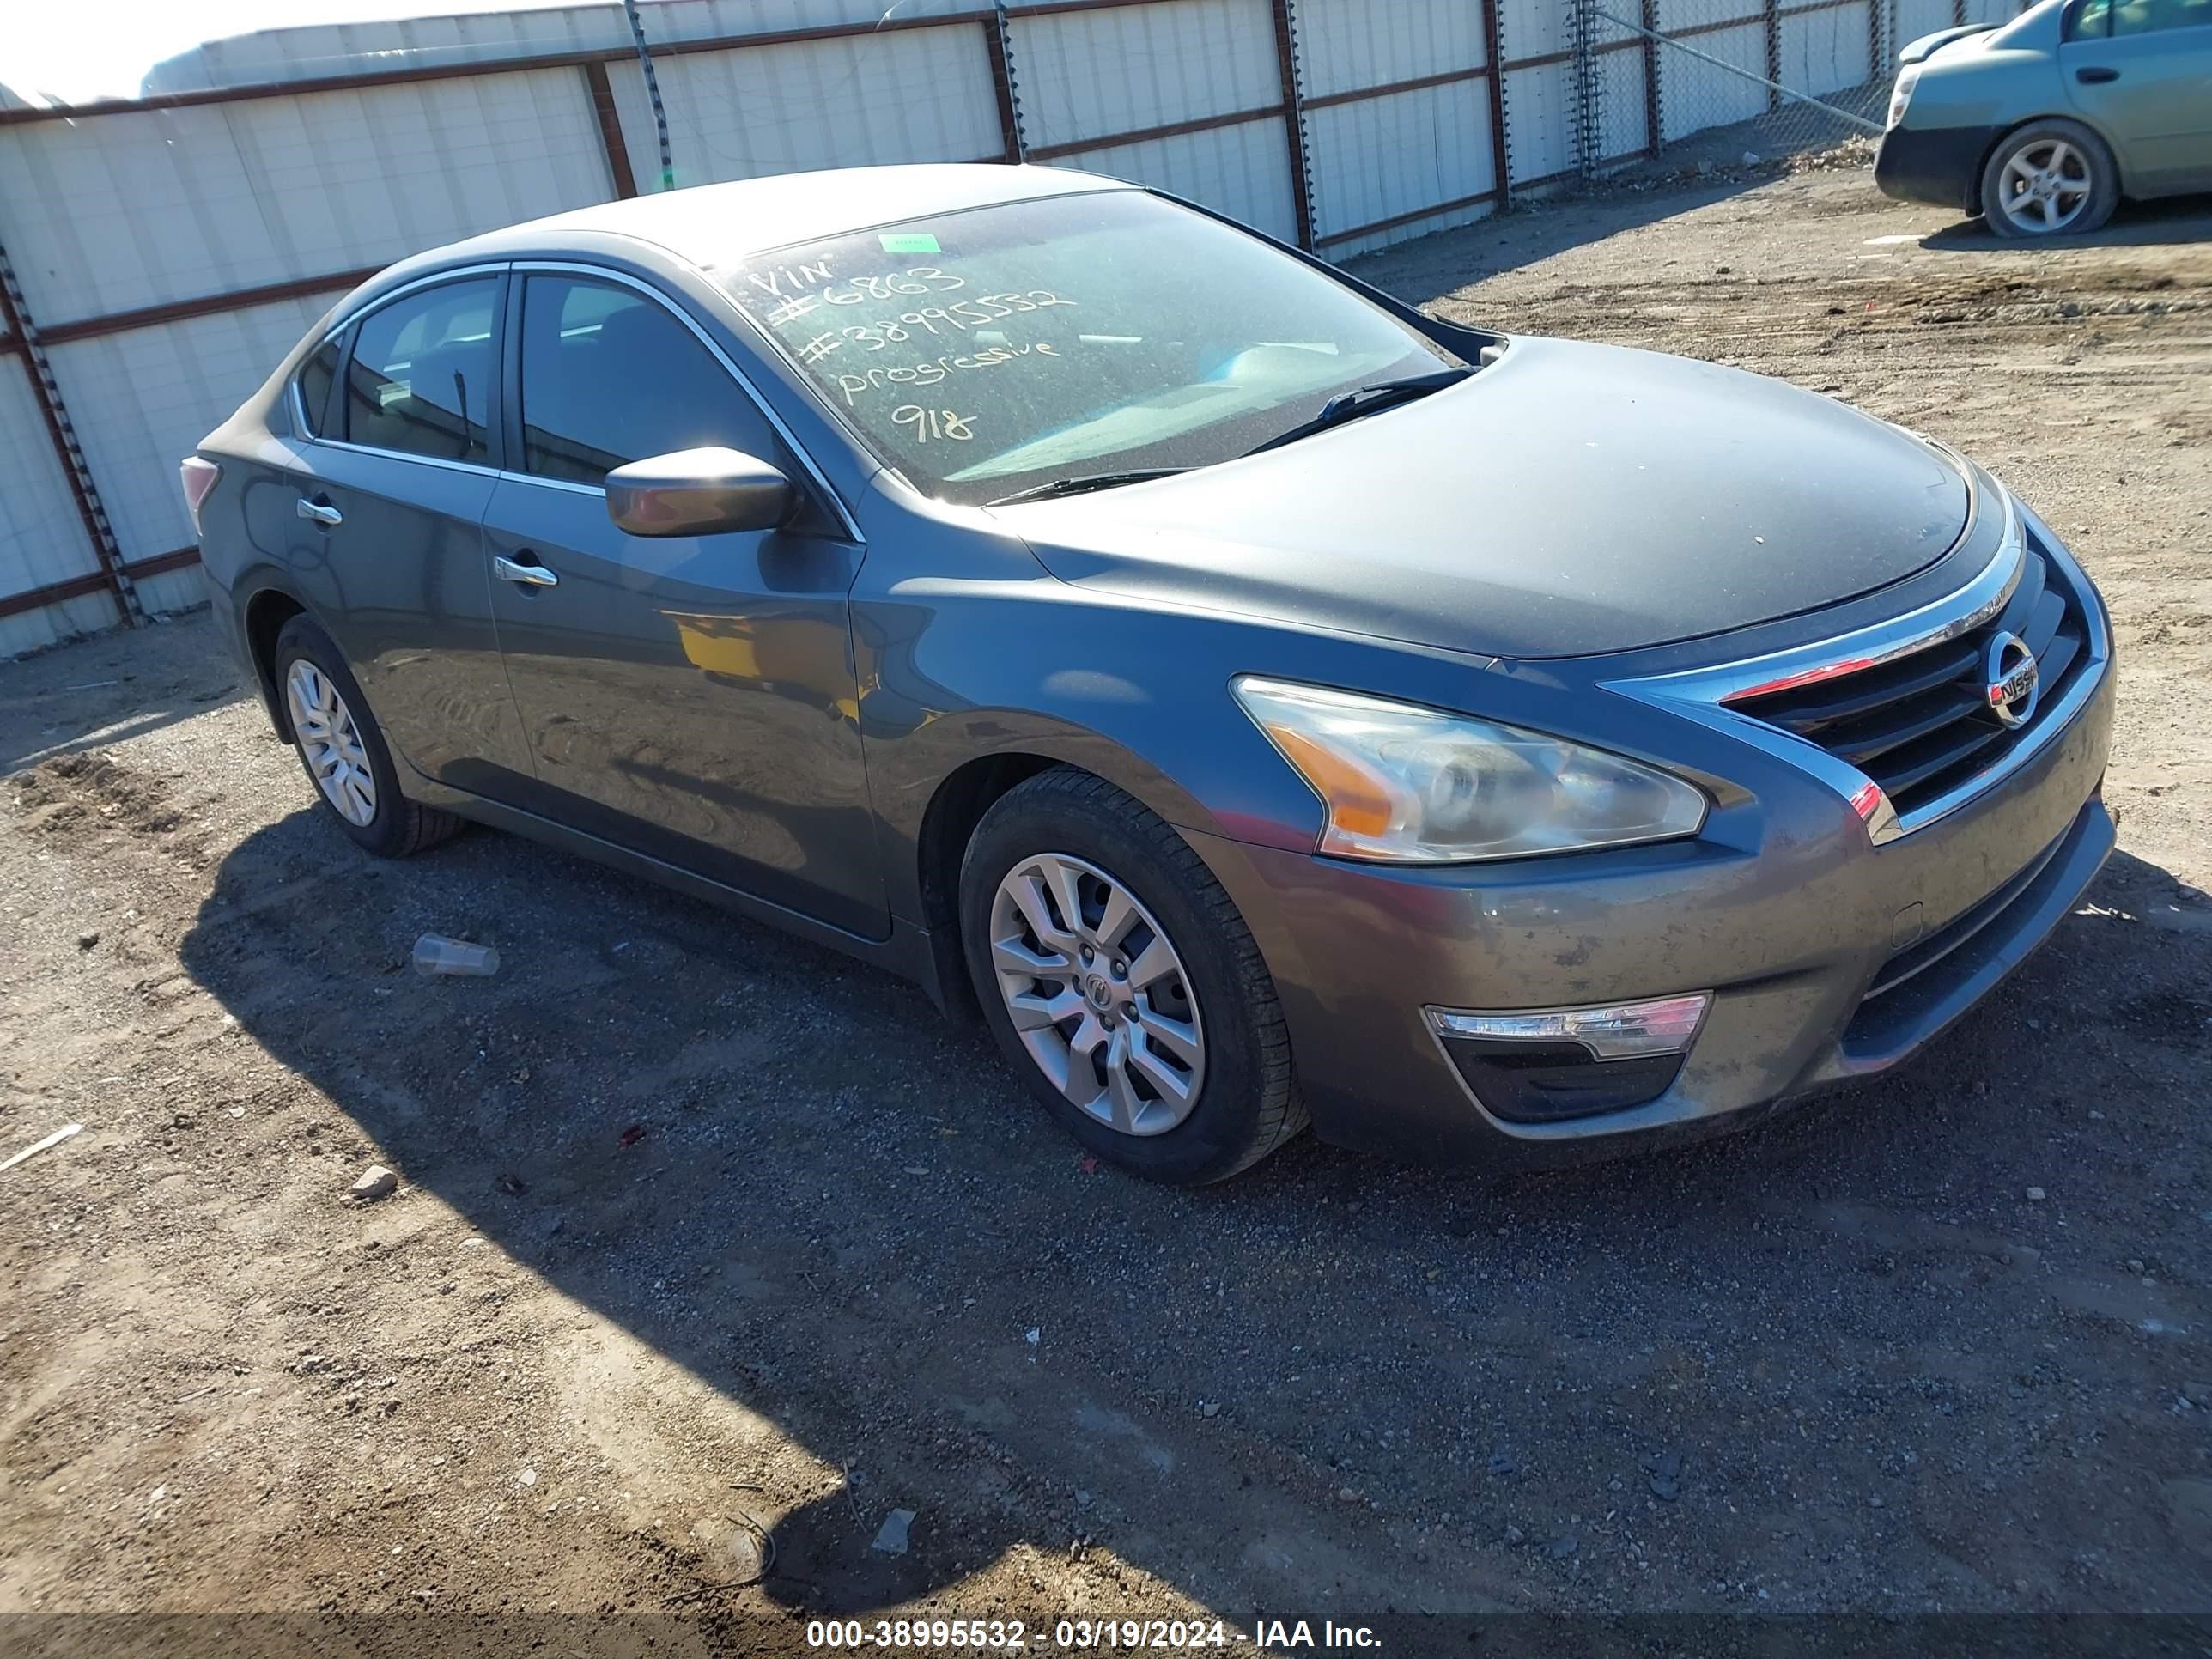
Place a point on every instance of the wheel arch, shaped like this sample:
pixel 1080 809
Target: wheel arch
pixel 966 789
pixel 925 851
pixel 948 824
pixel 960 701
pixel 263 619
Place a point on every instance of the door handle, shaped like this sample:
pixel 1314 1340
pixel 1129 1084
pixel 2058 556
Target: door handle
pixel 321 512
pixel 532 574
pixel 2096 75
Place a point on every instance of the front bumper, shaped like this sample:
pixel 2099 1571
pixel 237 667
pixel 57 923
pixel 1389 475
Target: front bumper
pixel 1941 166
pixel 1830 959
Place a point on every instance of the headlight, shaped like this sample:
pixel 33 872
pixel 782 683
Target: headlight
pixel 1405 784
pixel 1906 79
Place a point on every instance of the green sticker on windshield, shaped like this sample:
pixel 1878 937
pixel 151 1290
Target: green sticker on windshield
pixel 910 241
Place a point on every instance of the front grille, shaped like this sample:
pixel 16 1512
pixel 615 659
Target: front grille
pixel 1920 725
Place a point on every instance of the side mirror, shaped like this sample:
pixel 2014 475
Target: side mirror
pixel 698 492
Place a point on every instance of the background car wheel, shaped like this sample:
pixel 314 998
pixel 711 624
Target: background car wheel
pixel 2050 179
pixel 1122 985
pixel 343 752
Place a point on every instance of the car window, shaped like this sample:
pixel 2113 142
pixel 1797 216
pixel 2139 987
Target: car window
pixel 421 377
pixel 2089 20
pixel 317 376
pixel 2156 16
pixel 609 376
pixel 987 351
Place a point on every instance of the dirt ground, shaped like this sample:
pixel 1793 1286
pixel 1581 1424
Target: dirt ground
pixel 705 1237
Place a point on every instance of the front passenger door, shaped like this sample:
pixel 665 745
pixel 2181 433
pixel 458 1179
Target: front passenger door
pixel 692 698
pixel 2141 70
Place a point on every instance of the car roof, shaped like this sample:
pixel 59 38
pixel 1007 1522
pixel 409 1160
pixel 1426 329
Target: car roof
pixel 717 226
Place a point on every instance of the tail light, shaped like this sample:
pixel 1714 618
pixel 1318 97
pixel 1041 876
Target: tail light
pixel 199 478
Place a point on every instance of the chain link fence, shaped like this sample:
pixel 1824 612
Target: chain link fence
pixel 1734 82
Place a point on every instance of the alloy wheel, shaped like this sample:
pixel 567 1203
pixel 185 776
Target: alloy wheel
pixel 1097 994
pixel 2046 185
pixel 330 742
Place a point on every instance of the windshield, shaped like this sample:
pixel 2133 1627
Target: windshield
pixel 990 352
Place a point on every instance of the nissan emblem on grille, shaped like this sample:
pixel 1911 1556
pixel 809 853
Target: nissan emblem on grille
pixel 2013 680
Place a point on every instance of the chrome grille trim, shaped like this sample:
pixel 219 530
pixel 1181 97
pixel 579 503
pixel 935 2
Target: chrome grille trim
pixel 1936 622
pixel 1706 695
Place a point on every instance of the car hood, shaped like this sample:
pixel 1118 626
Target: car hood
pixel 1567 501
pixel 1920 50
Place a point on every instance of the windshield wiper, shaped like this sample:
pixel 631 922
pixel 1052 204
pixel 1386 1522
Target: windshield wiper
pixel 1345 406
pixel 1083 483
pixel 1365 400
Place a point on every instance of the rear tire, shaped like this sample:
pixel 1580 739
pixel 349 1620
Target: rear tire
pixel 1169 1057
pixel 343 751
pixel 2049 177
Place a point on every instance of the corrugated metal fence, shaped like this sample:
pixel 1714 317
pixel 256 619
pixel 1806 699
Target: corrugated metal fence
pixel 167 251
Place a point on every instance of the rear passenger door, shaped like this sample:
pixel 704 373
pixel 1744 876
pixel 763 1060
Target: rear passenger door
pixel 689 698
pixel 386 528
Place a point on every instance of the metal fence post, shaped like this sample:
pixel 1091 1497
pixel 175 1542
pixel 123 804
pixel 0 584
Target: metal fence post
pixel 999 42
pixel 610 132
pixel 653 92
pixel 1501 139
pixel 1586 88
pixel 46 392
pixel 1653 126
pixel 1773 51
pixel 1294 121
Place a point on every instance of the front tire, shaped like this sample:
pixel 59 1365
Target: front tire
pixel 343 751
pixel 2050 179
pixel 1122 984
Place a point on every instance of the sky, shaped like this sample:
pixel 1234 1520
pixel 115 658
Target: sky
pixel 79 50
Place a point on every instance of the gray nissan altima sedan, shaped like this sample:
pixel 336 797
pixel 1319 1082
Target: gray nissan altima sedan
pixel 1274 705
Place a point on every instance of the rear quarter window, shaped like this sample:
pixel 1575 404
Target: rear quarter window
pixel 317 376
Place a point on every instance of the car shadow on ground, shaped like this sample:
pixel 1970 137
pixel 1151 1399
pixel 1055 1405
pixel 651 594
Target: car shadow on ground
pixel 2172 222
pixel 786 1175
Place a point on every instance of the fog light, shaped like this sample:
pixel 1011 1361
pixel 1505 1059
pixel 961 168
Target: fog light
pixel 1666 1026
pixel 1533 1067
